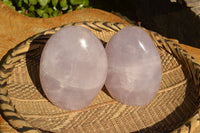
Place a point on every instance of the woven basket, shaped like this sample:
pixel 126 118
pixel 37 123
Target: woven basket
pixel 174 109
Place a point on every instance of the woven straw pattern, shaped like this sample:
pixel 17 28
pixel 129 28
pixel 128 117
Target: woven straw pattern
pixel 26 108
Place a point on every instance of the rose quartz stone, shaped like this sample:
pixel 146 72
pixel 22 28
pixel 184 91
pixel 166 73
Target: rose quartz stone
pixel 73 67
pixel 134 67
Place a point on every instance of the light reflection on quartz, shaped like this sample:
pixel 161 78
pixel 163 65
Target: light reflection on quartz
pixel 142 46
pixel 83 43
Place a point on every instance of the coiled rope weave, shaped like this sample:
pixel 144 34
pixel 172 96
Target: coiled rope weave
pixel 174 109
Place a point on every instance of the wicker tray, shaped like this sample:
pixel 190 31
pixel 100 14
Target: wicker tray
pixel 26 108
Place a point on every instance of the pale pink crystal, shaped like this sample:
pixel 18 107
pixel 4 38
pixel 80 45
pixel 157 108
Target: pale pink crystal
pixel 134 67
pixel 73 67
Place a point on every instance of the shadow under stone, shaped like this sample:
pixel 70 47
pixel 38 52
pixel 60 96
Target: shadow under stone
pixel 33 60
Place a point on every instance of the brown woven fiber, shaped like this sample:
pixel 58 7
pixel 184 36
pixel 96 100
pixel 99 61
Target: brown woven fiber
pixel 24 105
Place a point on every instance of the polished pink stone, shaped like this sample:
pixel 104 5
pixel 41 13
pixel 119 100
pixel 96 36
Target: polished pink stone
pixel 73 67
pixel 134 67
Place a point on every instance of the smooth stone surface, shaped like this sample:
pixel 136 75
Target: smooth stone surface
pixel 134 67
pixel 73 67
